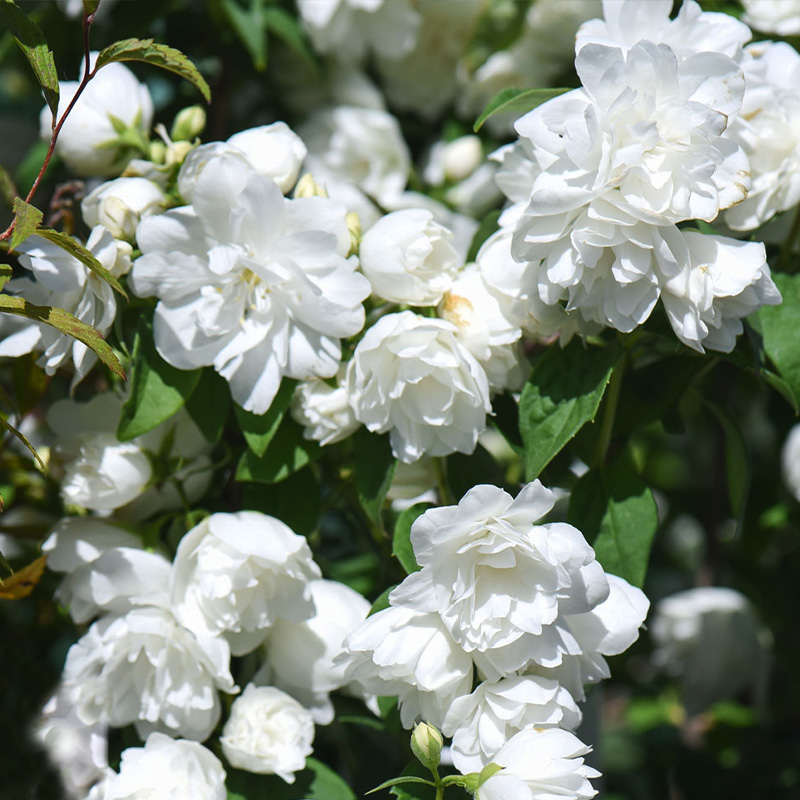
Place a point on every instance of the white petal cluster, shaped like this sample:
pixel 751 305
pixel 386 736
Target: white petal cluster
pixel 235 574
pixel 120 205
pixel 268 732
pixel 60 280
pixel 166 768
pixel 114 93
pixel 413 377
pixel 324 410
pixel 250 282
pixel 773 16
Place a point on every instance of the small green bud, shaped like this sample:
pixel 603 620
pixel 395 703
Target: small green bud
pixel 188 124
pixel 426 744
pixel 158 151
pixel 177 152
pixel 308 187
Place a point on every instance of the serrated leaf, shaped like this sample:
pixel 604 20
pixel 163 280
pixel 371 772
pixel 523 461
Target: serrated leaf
pixel 375 466
pixel 287 28
pixel 63 321
pixel 561 396
pixel 209 404
pixel 31 41
pixel 780 330
pixel 21 436
pixel 157 54
pixel 27 219
pixel 158 389
pixel 259 429
pixel 617 514
pixel 288 452
pixel 77 250
pixel 517 101
pixel 401 540
pixel 23 581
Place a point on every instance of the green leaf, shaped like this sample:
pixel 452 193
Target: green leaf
pixel 464 472
pixel 209 404
pixel 381 601
pixel 7 188
pixel 260 429
pixel 401 540
pixel 31 41
pixel 561 396
pixel 517 101
pixel 316 782
pixel 21 436
pixel 287 452
pixel 737 461
pixel 77 250
pixel 401 780
pixel 287 28
pixel 295 501
pixel 617 514
pixel 487 227
pixel 6 273
pixel 27 219
pixel 415 791
pixel 780 329
pixel 250 27
pixel 64 321
pixel 375 466
pixel 90 6
pixel 158 389
pixel 157 54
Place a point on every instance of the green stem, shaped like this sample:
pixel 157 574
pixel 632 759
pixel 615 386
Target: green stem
pixel 440 468
pixel 610 412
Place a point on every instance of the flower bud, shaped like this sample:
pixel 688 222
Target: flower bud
pixel 461 157
pixel 308 187
pixel 354 229
pixel 426 744
pixel 188 123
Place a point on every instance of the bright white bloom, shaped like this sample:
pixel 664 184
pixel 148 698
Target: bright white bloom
pixel 119 205
pixel 363 146
pixel 62 281
pixel 412 376
pixel 482 722
pixel 324 410
pixel 103 474
pixel 712 638
pixel 773 16
pixel 411 655
pixel 167 769
pixel 347 29
pixel 146 669
pixel 80 752
pixel 113 92
pixel 409 258
pixel 692 31
pixel 453 161
pixel 252 283
pixel 235 574
pixel 300 655
pixel 768 129
pixel 268 732
pixel 106 568
pixel 499 581
pixel 790 461
pixel 541 765
pixel 485 330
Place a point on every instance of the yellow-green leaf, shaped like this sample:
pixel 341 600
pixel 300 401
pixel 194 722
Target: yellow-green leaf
pixel 21 436
pixel 27 219
pixel 157 54
pixel 518 101
pixel 24 581
pixel 65 322
pixel 7 188
pixel 31 41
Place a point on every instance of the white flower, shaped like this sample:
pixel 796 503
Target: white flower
pixel 773 16
pixel 62 281
pixel 408 258
pixel 541 765
pixel 411 376
pixel 113 92
pixel 167 769
pixel 252 283
pixel 768 129
pixel 268 732
pixel 347 29
pixel 411 655
pixel 498 580
pixel 324 410
pixel 485 330
pixel 413 483
pixel 454 160
pixel 482 722
pixel 120 204
pixel 146 669
pixel 790 461
pixel 711 637
pixel 106 568
pixel 235 574
pixel 80 752
pixel 300 655
pixel 363 146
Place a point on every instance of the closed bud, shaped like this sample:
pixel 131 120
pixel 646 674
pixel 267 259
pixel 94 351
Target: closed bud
pixel 426 744
pixel 354 229
pixel 188 123
pixel 158 151
pixel 308 187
